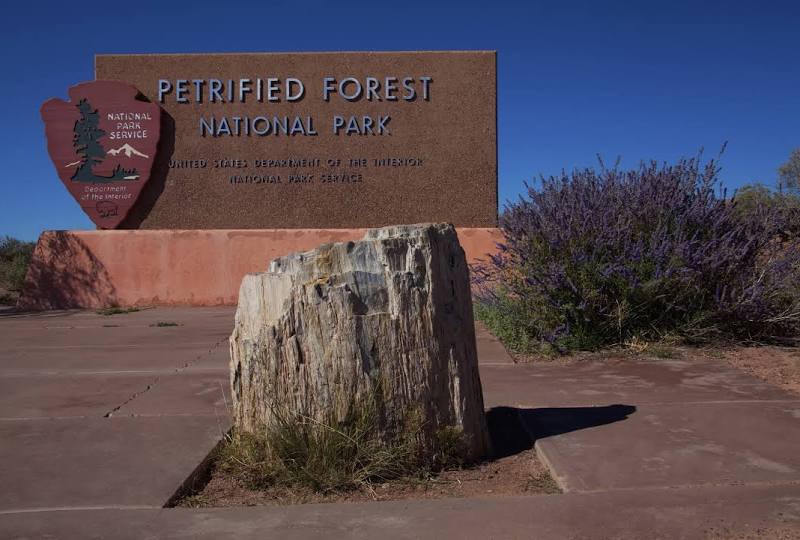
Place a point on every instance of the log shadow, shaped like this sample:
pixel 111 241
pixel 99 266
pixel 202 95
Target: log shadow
pixel 511 430
pixel 514 430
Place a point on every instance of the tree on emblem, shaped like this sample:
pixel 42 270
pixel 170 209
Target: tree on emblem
pixel 86 140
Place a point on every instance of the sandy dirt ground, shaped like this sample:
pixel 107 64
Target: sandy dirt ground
pixel 519 474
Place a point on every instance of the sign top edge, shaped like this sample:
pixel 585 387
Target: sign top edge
pixel 251 53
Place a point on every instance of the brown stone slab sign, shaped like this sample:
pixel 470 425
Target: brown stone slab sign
pixel 103 143
pixel 320 140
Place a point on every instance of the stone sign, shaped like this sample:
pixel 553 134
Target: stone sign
pixel 317 140
pixel 103 144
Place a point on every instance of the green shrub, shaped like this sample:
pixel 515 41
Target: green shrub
pixel 754 198
pixel 15 256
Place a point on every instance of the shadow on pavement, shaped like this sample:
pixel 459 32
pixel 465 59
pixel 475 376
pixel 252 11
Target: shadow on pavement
pixel 514 430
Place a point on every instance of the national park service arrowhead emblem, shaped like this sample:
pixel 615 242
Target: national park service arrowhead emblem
pixel 103 144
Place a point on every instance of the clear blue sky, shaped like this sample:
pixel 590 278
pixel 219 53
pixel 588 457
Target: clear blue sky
pixel 638 80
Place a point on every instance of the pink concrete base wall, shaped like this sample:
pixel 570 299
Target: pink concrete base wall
pixel 92 269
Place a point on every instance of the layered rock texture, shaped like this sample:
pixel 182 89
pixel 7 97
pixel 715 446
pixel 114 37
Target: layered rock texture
pixel 386 318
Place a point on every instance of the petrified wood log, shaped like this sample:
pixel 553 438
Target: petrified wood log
pixel 389 317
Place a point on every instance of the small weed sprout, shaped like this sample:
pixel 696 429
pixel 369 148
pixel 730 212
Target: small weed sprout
pixel 116 310
pixel 164 324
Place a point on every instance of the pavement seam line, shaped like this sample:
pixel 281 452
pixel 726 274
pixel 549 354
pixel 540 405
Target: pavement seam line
pixel 77 372
pixel 656 403
pixel 764 484
pixel 77 509
pixel 33 418
pixel 61 347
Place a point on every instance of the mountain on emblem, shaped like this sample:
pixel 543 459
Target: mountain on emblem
pixel 128 150
pixel 86 139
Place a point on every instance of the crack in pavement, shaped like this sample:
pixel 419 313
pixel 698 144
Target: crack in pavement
pixel 135 395
pixel 211 350
pixel 150 386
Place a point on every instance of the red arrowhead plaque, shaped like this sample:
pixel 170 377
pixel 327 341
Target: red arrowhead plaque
pixel 103 143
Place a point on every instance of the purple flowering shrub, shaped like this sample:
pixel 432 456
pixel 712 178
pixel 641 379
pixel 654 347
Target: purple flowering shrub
pixel 601 257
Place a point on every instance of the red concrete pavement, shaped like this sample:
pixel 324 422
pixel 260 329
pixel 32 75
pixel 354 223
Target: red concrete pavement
pixel 102 418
